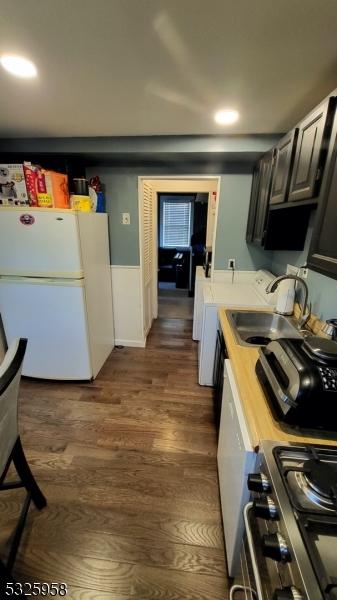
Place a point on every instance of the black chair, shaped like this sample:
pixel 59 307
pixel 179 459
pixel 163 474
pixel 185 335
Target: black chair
pixel 11 451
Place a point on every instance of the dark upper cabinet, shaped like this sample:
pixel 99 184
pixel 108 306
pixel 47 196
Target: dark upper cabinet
pixel 287 227
pixel 253 205
pixel 311 150
pixel 262 199
pixel 290 180
pixel 273 228
pixel 323 251
pixel 283 160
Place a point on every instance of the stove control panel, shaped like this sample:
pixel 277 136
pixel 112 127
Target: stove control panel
pixel 275 547
pixel 288 593
pixel 329 378
pixel 265 508
pixel 258 482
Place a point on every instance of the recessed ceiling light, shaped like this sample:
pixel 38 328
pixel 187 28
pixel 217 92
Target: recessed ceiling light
pixel 18 66
pixel 226 116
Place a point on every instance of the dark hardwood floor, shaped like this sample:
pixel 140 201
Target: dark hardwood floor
pixel 128 466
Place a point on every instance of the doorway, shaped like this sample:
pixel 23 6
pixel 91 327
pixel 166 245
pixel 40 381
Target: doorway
pixel 181 238
pixel 168 264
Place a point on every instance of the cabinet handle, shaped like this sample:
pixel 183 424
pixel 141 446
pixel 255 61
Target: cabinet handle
pixel 318 174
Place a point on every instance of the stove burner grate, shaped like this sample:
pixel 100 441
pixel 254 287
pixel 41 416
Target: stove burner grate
pixel 322 502
pixel 314 474
pixel 322 478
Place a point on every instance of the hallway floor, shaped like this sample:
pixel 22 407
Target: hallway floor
pixel 128 465
pixel 174 304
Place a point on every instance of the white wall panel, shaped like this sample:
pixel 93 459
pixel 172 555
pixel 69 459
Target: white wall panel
pixel 126 298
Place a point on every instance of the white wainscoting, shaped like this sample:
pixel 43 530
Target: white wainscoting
pixel 127 306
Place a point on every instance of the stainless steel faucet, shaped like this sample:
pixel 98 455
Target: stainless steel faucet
pixel 272 286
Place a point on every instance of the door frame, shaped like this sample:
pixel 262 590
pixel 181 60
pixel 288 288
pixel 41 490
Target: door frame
pixel 155 180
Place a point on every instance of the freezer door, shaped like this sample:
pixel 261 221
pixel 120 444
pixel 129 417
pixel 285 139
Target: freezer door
pixel 52 316
pixel 39 243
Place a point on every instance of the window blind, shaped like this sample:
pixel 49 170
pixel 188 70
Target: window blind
pixel 176 224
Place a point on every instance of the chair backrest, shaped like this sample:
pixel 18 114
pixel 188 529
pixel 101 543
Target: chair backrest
pixel 10 375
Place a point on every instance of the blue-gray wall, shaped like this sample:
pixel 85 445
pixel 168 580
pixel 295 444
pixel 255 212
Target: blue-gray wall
pixel 231 226
pixel 121 195
pixel 121 191
pixel 322 290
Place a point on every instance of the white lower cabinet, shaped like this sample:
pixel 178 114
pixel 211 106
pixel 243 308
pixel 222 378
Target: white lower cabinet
pixel 236 458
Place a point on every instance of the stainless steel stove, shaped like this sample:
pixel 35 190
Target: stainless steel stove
pixel 291 523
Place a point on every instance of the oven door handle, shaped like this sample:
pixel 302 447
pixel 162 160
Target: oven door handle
pixel 258 585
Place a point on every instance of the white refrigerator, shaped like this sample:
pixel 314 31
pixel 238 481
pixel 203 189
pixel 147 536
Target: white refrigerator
pixel 55 290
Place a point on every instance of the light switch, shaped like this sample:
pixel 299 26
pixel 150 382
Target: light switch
pixel 126 218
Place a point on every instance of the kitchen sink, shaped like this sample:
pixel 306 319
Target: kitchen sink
pixel 257 328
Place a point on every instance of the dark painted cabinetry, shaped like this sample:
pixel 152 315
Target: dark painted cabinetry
pixel 287 185
pixel 311 150
pixel 323 251
pixel 283 159
pixel 261 199
pixel 253 205
pixel 269 228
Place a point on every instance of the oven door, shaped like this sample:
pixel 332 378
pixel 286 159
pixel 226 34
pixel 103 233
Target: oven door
pixel 262 577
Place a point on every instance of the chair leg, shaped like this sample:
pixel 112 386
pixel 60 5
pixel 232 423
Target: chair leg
pixel 5 578
pixel 26 475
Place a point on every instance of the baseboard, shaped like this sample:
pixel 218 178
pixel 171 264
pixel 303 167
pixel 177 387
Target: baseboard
pixel 128 267
pixel 131 343
pixel 146 332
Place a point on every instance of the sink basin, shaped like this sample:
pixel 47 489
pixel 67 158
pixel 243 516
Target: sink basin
pixel 257 328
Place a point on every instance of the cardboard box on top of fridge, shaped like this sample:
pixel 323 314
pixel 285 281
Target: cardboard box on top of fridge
pixel 46 189
pixel 57 187
pixel 13 191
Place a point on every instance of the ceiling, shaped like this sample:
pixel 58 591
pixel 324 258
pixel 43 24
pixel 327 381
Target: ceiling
pixel 152 67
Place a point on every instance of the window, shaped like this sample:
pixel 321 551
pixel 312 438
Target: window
pixel 176 217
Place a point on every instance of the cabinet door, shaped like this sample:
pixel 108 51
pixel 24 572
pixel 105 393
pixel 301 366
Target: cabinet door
pixel 311 152
pixel 253 206
pixel 323 251
pixel 265 169
pixel 283 159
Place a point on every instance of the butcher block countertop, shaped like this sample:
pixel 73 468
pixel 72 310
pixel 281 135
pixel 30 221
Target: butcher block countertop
pixel 259 419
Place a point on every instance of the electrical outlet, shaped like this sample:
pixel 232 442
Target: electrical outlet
pixel 304 272
pixel 126 218
pixel 231 263
pixel 292 270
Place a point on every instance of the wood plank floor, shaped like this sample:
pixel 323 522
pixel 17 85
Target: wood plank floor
pixel 128 465
pixel 175 304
